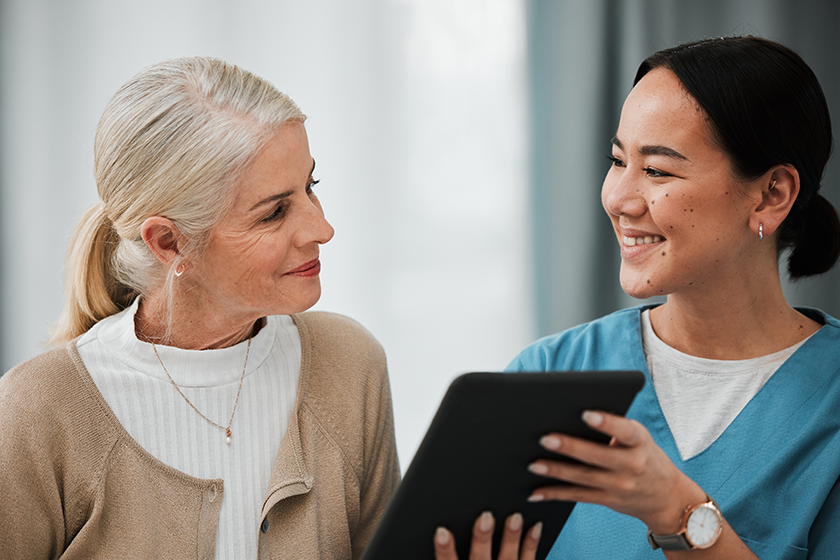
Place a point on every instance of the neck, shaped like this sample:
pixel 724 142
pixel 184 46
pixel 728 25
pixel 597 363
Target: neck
pixel 737 325
pixel 190 329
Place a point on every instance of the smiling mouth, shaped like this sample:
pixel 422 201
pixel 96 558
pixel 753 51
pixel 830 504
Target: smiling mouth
pixel 308 267
pixel 646 240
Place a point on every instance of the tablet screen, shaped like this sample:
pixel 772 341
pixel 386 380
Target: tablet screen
pixel 475 454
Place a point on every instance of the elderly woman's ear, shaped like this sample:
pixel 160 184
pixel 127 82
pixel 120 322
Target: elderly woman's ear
pixel 162 237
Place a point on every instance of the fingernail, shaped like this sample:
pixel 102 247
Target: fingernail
pixel 442 536
pixel 536 532
pixel 515 522
pixel 538 468
pixel 550 442
pixel 536 498
pixel 592 418
pixel 485 523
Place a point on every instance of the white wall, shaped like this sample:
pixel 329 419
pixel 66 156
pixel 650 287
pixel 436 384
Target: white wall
pixel 417 122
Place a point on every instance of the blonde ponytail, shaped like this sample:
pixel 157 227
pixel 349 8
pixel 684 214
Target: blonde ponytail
pixel 92 292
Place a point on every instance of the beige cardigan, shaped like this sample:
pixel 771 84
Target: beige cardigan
pixel 74 484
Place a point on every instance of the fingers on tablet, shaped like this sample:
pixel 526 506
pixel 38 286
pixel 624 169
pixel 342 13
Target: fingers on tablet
pixel 444 545
pixel 512 547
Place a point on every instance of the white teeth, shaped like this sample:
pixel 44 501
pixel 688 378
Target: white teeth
pixel 647 240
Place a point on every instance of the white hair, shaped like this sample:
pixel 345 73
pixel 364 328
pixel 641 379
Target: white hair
pixel 172 142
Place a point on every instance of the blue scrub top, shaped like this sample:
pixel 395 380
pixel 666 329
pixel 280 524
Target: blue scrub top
pixel 774 471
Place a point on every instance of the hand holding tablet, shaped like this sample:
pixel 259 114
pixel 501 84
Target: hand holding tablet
pixel 476 453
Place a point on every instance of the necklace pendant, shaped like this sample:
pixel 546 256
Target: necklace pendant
pixel 227 430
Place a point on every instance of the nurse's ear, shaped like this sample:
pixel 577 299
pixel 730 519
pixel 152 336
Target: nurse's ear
pixel 778 189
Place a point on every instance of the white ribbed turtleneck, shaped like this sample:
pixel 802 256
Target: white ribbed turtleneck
pixel 131 379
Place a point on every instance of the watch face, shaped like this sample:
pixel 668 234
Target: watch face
pixel 704 526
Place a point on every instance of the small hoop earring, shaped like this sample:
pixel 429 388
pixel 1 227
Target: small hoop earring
pixel 760 231
pixel 179 270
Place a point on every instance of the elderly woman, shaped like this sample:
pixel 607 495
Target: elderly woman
pixel 190 409
pixel 732 449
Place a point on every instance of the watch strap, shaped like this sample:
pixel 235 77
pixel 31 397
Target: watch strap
pixel 678 541
pixel 668 542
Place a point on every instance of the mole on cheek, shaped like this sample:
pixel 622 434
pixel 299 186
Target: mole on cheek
pixel 663 253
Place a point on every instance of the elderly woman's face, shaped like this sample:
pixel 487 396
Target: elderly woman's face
pixel 681 219
pixel 262 258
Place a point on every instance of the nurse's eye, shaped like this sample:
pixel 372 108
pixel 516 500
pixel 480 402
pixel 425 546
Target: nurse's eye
pixel 616 161
pixel 311 186
pixel 653 172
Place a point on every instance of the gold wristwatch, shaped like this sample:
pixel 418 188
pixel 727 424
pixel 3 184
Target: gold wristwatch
pixel 700 527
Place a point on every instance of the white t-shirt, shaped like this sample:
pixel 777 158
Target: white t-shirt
pixel 130 377
pixel 701 397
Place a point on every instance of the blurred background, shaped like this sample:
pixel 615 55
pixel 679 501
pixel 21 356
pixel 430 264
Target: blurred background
pixel 460 145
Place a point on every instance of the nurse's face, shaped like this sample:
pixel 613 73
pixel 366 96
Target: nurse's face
pixel 680 216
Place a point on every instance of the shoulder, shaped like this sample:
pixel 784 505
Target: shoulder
pixel 344 391
pixel 35 384
pixel 52 396
pixel 583 346
pixel 820 317
pixel 340 359
pixel 334 338
pixel 55 431
pixel 824 345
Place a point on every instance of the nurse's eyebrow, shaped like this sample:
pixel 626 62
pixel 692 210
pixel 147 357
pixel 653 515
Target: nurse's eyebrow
pixel 276 197
pixel 653 150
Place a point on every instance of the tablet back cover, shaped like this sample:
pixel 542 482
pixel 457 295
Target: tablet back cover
pixel 475 454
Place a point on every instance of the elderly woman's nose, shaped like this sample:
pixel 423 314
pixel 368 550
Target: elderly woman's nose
pixel 314 226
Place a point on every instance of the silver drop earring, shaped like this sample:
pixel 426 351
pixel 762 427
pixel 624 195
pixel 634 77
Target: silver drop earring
pixel 760 225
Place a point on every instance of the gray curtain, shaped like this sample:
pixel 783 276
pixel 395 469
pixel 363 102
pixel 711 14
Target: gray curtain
pixel 582 57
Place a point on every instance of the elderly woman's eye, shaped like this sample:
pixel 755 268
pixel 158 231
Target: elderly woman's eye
pixel 278 213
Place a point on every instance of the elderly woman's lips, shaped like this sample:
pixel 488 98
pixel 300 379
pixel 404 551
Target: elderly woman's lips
pixel 312 268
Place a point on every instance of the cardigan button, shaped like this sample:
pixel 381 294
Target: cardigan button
pixel 264 525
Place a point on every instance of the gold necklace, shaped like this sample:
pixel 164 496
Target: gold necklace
pixel 241 379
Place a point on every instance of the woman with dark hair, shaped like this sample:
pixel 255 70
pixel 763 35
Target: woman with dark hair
pixel 731 450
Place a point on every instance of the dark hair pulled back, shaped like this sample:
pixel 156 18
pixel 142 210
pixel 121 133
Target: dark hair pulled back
pixel 766 108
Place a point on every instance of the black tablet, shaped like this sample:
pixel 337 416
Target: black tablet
pixel 475 454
